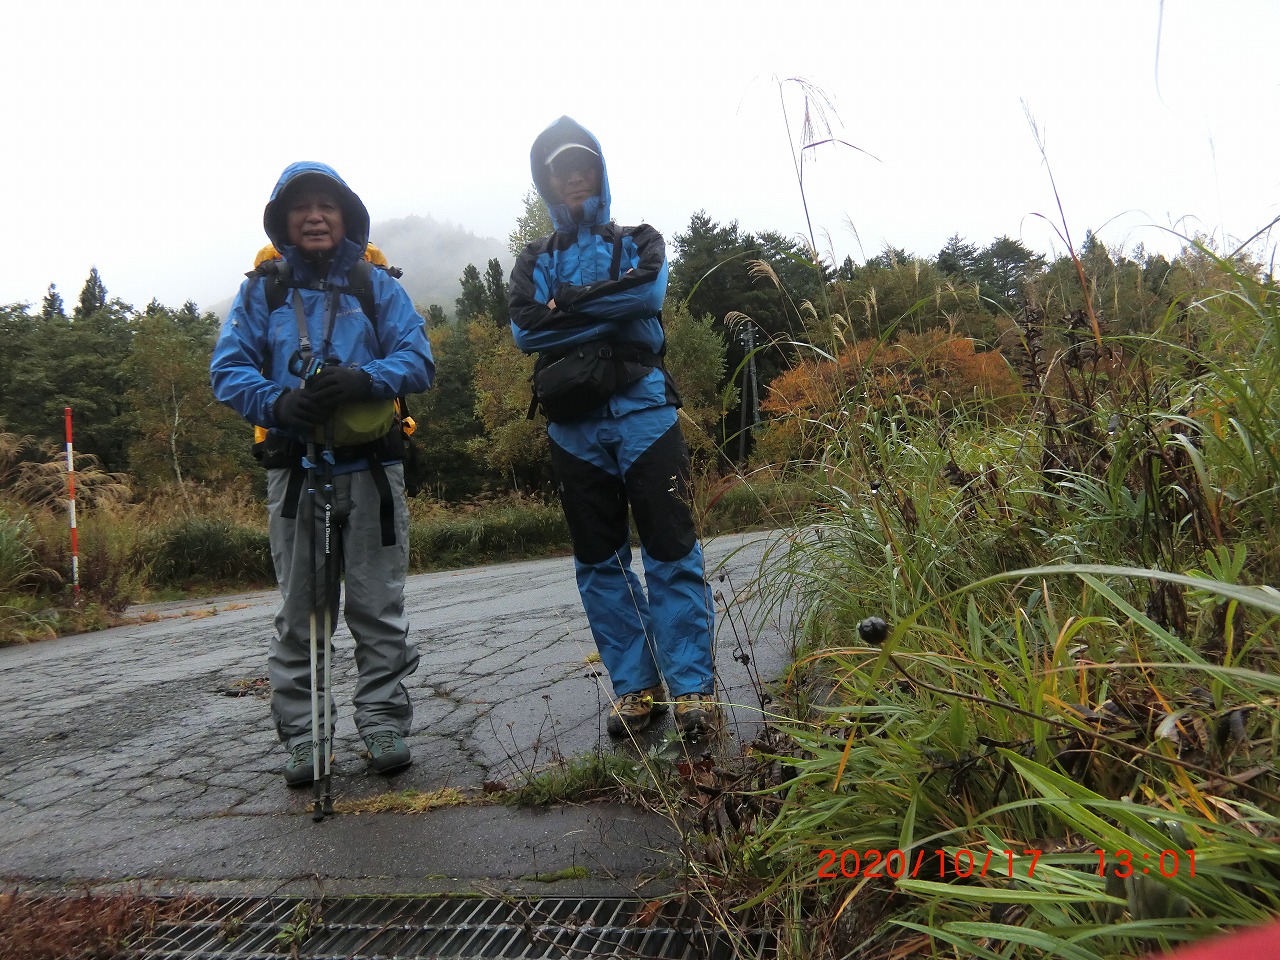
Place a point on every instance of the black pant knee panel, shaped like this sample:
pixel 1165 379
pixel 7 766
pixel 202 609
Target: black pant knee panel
pixel 594 503
pixel 658 488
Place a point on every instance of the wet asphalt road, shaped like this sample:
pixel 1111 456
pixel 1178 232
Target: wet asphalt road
pixel 145 756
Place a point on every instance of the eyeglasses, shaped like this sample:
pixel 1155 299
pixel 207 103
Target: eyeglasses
pixel 573 161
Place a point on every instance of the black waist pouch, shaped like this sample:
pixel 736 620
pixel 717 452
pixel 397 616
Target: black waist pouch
pixel 572 383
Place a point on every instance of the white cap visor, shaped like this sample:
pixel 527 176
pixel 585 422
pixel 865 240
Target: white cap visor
pixel 570 146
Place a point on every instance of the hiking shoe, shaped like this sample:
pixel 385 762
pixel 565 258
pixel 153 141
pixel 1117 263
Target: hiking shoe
pixel 298 771
pixel 696 713
pixel 388 753
pixel 633 711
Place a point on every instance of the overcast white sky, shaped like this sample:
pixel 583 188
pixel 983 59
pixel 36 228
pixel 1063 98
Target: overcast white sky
pixel 144 137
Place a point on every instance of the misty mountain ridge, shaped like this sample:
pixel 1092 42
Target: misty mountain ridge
pixel 432 255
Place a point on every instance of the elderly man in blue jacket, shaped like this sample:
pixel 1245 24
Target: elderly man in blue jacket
pixel 588 301
pixel 314 367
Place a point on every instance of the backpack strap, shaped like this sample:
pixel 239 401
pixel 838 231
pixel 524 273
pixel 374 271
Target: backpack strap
pixel 386 503
pixel 274 276
pixel 277 281
pixel 360 285
pixel 293 492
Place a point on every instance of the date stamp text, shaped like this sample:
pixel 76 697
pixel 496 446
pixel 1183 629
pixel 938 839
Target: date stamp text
pixel 939 864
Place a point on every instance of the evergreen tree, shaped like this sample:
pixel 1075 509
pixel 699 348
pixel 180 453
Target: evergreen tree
pixel 436 316
pixel 1095 259
pixel 93 296
pixel 26 365
pixel 90 375
pixel 448 412
pixel 474 300
pixel 190 317
pixel 495 285
pixel 736 278
pixel 1155 271
pixel 957 258
pixel 1003 268
pixel 52 306
pixel 718 270
pixel 51 363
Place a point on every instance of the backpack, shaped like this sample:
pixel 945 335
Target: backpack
pixel 277 279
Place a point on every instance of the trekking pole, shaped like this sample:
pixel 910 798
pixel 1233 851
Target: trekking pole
pixel 317 812
pixel 330 595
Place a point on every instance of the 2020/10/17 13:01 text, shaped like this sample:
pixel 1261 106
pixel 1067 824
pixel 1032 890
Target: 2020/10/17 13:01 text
pixel 963 863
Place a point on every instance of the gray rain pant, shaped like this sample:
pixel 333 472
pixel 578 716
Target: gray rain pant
pixel 374 576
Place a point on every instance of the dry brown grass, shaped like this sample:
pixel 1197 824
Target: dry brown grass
pixel 405 801
pixel 86 927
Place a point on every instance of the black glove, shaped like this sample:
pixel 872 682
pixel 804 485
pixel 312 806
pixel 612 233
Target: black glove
pixel 298 409
pixel 334 386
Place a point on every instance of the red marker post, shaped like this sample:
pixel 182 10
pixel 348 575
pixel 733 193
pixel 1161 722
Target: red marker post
pixel 71 505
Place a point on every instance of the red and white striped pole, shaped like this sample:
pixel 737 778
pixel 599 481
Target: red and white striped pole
pixel 71 502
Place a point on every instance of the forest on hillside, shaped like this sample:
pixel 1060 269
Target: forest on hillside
pixel 742 310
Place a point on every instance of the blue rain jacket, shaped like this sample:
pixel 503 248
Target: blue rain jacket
pixel 250 366
pixel 596 298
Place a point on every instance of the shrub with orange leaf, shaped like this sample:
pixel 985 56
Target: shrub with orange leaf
pixel 934 372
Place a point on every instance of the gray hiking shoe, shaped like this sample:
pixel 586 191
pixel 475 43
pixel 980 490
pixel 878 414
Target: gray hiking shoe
pixel 298 770
pixel 388 753
pixel 633 711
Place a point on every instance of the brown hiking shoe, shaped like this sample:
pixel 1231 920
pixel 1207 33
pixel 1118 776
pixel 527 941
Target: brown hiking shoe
pixel 633 711
pixel 696 713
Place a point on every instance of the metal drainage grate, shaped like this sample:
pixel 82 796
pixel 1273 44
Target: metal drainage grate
pixel 379 928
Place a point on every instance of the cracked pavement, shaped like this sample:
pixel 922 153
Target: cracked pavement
pixel 145 756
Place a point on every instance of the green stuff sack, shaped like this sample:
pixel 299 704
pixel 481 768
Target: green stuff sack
pixel 358 423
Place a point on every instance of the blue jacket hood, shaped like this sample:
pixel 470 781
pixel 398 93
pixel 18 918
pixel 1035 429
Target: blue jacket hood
pixel 562 131
pixel 354 213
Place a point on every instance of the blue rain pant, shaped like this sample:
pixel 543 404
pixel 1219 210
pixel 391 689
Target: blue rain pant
pixel 637 460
